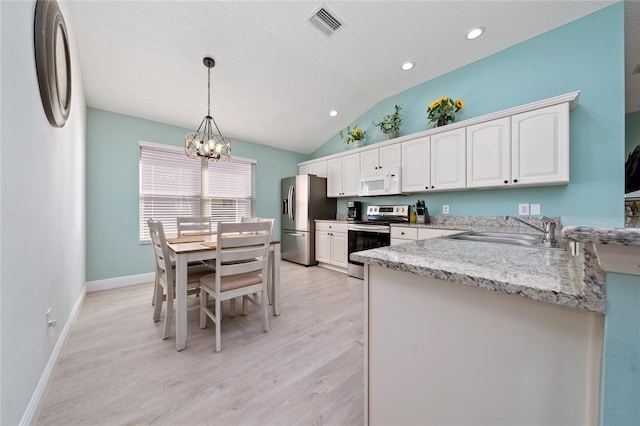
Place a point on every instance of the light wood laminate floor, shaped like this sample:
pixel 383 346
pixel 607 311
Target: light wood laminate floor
pixel 308 370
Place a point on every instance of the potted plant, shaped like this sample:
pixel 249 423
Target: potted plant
pixel 352 136
pixel 390 124
pixel 443 111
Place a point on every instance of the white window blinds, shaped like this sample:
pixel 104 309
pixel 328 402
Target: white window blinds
pixel 173 185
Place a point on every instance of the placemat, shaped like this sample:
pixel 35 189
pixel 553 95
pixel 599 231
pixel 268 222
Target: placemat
pixel 184 240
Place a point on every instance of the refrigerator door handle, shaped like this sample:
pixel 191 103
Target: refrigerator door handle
pixel 293 204
pixel 295 234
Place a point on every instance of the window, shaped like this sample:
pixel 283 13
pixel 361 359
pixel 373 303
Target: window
pixel 172 185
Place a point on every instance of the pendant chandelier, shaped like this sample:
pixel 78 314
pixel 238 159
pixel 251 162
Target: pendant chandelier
pixel 205 143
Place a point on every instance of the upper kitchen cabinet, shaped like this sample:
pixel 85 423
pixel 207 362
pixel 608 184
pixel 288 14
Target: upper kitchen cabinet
pixel 416 165
pixel 373 160
pixel 489 154
pixel 540 146
pixel 343 174
pixel 318 168
pixel 448 159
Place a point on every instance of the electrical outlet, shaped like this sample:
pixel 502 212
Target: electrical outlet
pixel 535 209
pixel 445 209
pixel 523 209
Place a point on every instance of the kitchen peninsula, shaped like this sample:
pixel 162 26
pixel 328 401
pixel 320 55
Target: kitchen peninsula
pixel 442 349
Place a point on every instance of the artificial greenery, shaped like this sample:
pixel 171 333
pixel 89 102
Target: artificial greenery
pixel 349 135
pixel 443 111
pixel 391 123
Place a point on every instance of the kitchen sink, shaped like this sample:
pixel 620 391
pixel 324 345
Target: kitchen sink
pixel 528 240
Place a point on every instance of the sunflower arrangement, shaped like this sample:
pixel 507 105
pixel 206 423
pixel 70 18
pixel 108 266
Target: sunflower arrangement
pixel 443 110
pixel 349 136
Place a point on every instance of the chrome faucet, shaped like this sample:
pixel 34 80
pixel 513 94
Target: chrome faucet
pixel 549 230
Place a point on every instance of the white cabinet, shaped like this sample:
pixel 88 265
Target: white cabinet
pixel 489 154
pixel 373 160
pixel 434 163
pixel 343 175
pixel 540 146
pixel 318 168
pixel 416 165
pixel 331 243
pixel 448 158
pixel 403 234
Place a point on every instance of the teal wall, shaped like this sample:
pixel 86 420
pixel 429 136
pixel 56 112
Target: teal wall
pixel 112 187
pixel 632 132
pixel 570 58
pixel 620 400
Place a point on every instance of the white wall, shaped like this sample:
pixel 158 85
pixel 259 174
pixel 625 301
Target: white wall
pixel 42 213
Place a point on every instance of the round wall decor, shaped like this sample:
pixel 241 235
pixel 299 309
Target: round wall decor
pixel 53 62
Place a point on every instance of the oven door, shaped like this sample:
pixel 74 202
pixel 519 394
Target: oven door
pixel 360 238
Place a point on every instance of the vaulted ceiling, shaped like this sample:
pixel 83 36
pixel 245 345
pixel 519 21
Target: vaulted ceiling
pixel 277 76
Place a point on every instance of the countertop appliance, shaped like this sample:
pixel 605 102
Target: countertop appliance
pixel 304 199
pixel 354 210
pixel 373 233
pixel 422 212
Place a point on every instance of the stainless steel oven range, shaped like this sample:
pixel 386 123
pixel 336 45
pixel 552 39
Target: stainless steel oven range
pixel 373 233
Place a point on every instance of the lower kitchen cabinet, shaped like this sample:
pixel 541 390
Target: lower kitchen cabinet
pixel 404 234
pixel 331 243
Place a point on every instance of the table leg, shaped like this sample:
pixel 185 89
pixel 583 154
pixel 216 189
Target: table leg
pixel 275 279
pixel 181 301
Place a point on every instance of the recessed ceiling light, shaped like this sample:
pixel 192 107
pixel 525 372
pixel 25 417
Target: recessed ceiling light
pixel 333 113
pixel 475 33
pixel 407 66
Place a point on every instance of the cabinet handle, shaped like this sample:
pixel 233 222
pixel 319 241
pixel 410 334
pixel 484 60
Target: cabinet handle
pixel 515 180
pixel 402 233
pixel 432 186
pixel 506 181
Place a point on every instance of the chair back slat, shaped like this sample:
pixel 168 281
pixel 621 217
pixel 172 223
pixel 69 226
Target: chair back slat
pixel 241 268
pixel 193 225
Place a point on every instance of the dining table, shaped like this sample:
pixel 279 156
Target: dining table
pixel 205 249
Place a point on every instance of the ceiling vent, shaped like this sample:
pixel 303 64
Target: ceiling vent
pixel 636 70
pixel 325 21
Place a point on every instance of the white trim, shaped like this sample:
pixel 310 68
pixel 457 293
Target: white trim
pixel 118 282
pixel 174 148
pixel 32 411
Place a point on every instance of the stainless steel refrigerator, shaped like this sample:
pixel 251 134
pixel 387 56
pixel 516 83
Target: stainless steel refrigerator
pixel 304 199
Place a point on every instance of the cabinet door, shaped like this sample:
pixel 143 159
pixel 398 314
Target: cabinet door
pixel 319 168
pixel 323 246
pixel 339 249
pixel 334 177
pixel 416 165
pixel 369 162
pixel 448 158
pixel 305 170
pixel 489 154
pixel 350 174
pixel 390 156
pixel 540 146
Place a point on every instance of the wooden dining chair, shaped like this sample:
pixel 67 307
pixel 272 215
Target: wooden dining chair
pixel 241 271
pixel 271 221
pixel 165 276
pixel 193 225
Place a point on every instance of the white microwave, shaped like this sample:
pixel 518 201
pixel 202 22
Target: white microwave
pixel 385 182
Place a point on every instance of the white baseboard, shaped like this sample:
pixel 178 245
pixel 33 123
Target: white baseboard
pixel 33 408
pixel 117 282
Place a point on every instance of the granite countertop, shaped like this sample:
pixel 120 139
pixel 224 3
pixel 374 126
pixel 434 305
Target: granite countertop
pixel 548 275
pixel 602 235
